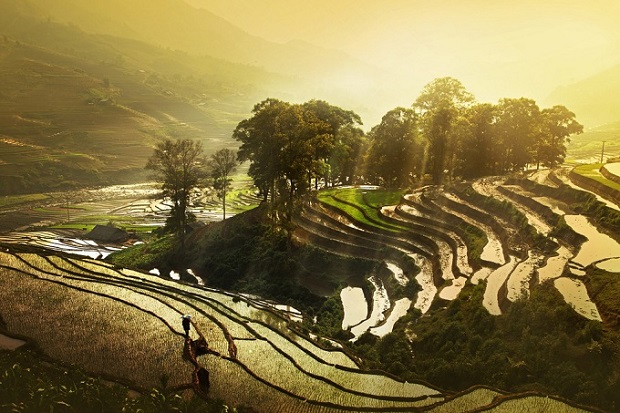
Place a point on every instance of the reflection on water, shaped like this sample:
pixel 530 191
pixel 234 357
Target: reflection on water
pixel 399 275
pixel 576 295
pixel 519 282
pixel 494 282
pixel 400 310
pixel 598 246
pixel 612 265
pixel 425 280
pixel 555 265
pixel 381 303
pixel 452 291
pixel 355 306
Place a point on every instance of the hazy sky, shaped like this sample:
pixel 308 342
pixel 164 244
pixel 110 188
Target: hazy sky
pixel 496 48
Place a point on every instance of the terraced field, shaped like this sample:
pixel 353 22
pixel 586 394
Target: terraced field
pixel 126 325
pixel 510 235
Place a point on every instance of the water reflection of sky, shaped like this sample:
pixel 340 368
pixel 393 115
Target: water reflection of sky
pixel 598 246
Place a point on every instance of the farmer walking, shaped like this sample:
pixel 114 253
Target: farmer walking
pixel 186 323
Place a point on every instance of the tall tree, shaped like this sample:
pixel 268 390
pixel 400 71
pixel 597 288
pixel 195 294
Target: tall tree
pixel 221 164
pixel 345 159
pixel 440 104
pixel 519 131
pixel 478 154
pixel 259 144
pixel 395 154
pixel 335 122
pixel 178 166
pixel 289 146
pixel 558 124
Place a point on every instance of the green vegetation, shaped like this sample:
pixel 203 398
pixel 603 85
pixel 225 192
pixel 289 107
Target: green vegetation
pixel 13 200
pixel 30 384
pixel 124 222
pixel 177 166
pixel 291 147
pixel 592 171
pixel 159 252
pixel 527 234
pixel 540 344
pixel 246 253
pixel 581 202
pixel 363 205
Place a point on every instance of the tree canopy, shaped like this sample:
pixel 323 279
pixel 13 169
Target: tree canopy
pixel 221 164
pixel 177 165
pixel 293 146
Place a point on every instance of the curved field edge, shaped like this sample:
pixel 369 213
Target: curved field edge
pixel 249 388
pixel 57 294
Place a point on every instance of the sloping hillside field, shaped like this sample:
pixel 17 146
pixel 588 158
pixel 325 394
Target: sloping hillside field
pixel 125 324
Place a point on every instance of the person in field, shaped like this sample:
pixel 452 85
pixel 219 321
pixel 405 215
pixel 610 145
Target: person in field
pixel 186 320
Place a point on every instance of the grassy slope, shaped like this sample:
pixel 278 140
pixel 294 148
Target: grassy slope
pixel 81 109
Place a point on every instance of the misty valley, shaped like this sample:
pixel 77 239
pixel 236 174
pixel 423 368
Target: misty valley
pixel 196 217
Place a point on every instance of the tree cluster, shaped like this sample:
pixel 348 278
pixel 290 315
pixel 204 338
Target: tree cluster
pixel 540 344
pixel 444 134
pixel 294 146
pixel 447 134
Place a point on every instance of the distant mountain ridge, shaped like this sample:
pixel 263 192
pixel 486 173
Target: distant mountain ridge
pixel 178 25
pixel 82 109
pixel 595 100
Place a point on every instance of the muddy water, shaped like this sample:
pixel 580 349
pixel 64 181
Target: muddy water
pixel 447 256
pixel 598 247
pixel 613 168
pixel 55 242
pixel 612 265
pixel 10 343
pixel 570 183
pixel 494 282
pixel 381 303
pixel 519 281
pixel 452 291
pixel 398 273
pixel 493 250
pixel 555 265
pixel 355 306
pixel 400 309
pixel 425 281
pixel 576 295
pixel 481 275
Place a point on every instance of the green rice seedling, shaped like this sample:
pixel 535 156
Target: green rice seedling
pixel 469 400
pixel 349 378
pixel 102 335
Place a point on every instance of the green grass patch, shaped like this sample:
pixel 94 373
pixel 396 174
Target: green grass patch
pixel 127 223
pixel 12 200
pixel 363 204
pixel 382 197
pixel 592 171
pixel 147 255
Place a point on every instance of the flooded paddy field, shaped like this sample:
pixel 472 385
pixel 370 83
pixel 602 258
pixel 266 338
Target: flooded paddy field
pixel 433 241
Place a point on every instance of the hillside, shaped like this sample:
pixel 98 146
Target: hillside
pixel 588 146
pixel 317 72
pixel 80 109
pixel 595 100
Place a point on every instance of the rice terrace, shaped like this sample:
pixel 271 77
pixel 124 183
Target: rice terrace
pixel 210 206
